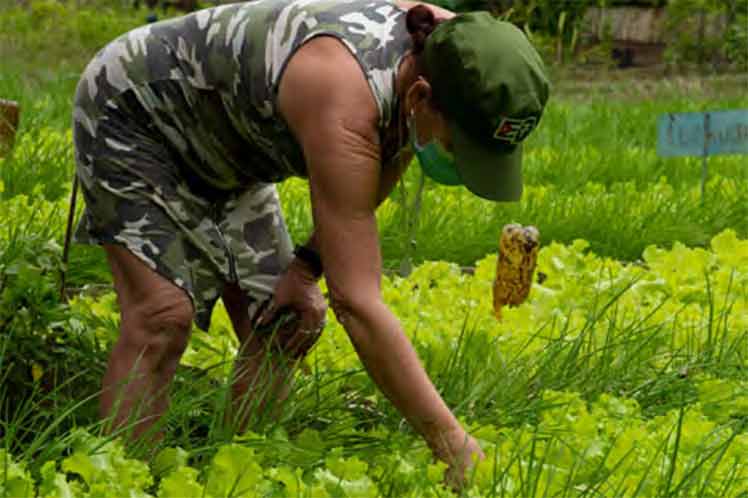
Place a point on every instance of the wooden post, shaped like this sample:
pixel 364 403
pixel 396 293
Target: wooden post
pixel 68 235
pixel 560 39
pixel 704 167
pixel 9 112
pixel 701 38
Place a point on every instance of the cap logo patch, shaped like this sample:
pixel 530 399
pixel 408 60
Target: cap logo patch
pixel 515 130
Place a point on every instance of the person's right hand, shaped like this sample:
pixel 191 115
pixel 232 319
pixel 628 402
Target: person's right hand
pixel 297 290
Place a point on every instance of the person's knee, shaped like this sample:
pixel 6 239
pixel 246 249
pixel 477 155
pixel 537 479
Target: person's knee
pixel 158 326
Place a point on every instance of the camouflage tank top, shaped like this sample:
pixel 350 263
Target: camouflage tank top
pixel 209 80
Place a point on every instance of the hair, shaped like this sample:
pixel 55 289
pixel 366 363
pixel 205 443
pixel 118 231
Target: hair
pixel 420 22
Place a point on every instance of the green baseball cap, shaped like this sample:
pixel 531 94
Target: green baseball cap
pixel 492 86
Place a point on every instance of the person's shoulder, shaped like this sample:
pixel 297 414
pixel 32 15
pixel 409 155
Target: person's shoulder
pixel 323 80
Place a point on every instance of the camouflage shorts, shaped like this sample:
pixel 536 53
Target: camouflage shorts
pixel 140 195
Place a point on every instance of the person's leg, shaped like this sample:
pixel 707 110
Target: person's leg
pixel 156 317
pixel 262 376
pixel 256 233
pixel 137 195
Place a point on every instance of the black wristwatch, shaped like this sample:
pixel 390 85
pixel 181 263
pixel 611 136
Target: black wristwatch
pixel 311 258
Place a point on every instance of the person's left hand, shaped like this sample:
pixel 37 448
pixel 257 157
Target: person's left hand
pixel 297 290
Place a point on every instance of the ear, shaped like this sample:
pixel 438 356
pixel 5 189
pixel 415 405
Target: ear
pixel 419 94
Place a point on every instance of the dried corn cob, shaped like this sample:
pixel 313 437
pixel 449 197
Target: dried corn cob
pixel 518 253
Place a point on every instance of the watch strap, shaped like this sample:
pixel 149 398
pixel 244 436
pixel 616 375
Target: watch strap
pixel 311 258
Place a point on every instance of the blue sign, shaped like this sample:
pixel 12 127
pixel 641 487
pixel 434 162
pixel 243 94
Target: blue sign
pixel 703 133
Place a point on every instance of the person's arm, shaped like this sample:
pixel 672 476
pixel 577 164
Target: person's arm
pixel 388 178
pixel 335 121
pixel 390 175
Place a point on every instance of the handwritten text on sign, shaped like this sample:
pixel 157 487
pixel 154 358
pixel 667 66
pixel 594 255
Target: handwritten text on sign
pixel 703 133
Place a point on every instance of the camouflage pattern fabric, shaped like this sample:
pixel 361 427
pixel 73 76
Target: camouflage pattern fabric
pixel 209 80
pixel 140 196
pixel 178 140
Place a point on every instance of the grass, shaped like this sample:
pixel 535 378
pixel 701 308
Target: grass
pixel 601 183
pixel 601 133
pixel 611 352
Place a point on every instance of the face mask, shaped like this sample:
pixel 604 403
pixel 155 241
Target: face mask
pixel 436 162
